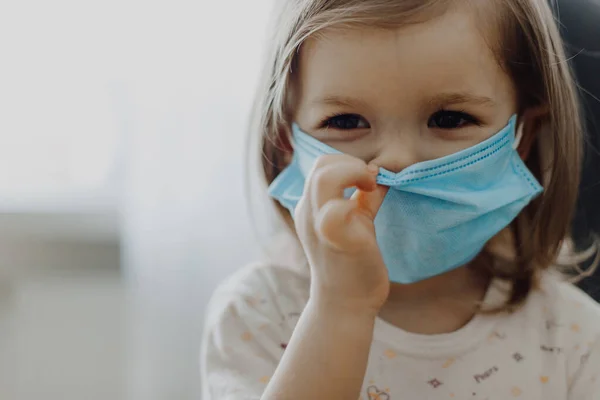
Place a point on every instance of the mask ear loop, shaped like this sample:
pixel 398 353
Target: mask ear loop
pixel 519 136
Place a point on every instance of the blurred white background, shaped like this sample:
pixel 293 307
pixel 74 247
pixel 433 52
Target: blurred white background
pixel 122 128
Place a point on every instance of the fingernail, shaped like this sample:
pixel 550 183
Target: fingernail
pixel 372 168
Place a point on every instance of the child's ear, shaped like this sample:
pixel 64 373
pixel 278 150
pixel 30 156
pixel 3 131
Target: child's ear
pixel 529 122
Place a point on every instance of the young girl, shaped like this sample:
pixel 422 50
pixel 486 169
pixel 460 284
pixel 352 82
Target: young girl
pixel 426 154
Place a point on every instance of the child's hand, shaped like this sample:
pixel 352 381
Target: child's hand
pixel 338 234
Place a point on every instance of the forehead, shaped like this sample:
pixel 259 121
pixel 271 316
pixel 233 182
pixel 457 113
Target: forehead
pixel 446 54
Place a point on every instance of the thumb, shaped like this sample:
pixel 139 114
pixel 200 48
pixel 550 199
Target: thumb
pixel 369 202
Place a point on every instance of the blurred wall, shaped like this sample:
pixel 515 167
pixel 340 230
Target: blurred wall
pixel 185 225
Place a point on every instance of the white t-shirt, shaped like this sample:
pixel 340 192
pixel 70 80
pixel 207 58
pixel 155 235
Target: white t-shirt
pixel 547 350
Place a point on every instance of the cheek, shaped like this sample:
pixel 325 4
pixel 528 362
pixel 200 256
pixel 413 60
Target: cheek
pixel 438 144
pixel 440 147
pixel 365 148
pixel 413 147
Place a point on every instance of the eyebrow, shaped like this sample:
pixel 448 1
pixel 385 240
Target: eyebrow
pixel 338 101
pixel 445 99
pixel 441 99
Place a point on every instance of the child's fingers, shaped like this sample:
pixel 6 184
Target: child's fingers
pixel 370 202
pixel 334 173
pixel 333 221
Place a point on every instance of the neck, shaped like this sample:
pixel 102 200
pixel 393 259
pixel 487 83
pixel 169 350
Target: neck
pixel 440 304
pixel 453 284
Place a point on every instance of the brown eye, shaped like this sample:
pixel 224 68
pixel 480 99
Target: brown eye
pixel 450 120
pixel 346 122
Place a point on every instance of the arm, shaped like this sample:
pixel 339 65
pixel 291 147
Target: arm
pixel 328 354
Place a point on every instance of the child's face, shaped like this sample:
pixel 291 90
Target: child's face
pixel 405 96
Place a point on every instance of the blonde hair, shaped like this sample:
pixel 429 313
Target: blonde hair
pixel 528 46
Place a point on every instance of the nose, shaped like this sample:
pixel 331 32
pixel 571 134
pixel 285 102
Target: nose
pixel 397 151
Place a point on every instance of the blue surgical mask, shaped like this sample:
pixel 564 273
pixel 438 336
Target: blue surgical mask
pixel 438 214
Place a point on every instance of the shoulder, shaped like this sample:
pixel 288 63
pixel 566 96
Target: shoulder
pixel 562 310
pixel 248 323
pixel 562 301
pixel 573 322
pixel 559 316
pixel 567 321
pixel 259 289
